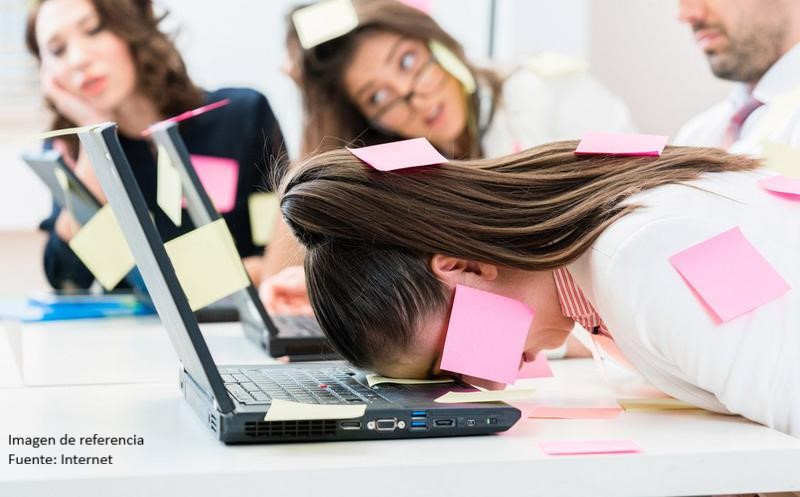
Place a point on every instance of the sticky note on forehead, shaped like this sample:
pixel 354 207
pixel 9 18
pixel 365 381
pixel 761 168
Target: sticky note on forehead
pixel 402 154
pixel 625 144
pixel 729 275
pixel 486 335
pixel 324 21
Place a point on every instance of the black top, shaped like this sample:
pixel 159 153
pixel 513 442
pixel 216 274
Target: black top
pixel 244 130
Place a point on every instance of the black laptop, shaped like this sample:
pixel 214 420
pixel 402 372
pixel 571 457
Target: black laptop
pixel 232 400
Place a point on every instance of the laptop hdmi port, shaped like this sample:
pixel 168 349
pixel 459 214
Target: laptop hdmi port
pixel 444 422
pixel 350 425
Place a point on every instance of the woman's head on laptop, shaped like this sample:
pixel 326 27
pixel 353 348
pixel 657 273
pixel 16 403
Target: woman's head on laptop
pixel 385 250
pixel 106 60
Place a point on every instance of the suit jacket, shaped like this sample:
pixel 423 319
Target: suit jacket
pixel 749 365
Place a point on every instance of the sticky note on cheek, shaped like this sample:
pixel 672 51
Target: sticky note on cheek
pixel 486 335
pixel 728 275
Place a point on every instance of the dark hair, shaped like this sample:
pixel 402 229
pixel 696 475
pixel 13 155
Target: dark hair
pixel 328 110
pixel 370 235
pixel 160 71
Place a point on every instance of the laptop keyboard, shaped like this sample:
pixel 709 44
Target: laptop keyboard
pixel 297 326
pixel 310 386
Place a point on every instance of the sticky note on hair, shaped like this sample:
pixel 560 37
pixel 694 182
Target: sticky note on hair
pixel 220 179
pixel 728 275
pixel 486 335
pixel 485 396
pixel 402 154
pixel 545 412
pixel 586 447
pixel 324 21
pixel 264 208
pixel 169 194
pixel 538 368
pixel 286 410
pixel 782 159
pixel 207 264
pixel 374 379
pixel 102 248
pixel 625 144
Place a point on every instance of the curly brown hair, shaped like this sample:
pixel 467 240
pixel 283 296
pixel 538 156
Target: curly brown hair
pixel 161 73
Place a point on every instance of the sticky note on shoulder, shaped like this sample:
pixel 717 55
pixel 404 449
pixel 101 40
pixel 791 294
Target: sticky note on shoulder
pixel 623 144
pixel 728 275
pixel 486 335
pixel 207 264
pixel 324 21
pixel 401 154
pixel 286 410
pixel 102 248
pixel 263 208
pixel 782 159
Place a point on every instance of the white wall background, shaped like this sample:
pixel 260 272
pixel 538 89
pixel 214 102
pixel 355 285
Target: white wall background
pixel 636 47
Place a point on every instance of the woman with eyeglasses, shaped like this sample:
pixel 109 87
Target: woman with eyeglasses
pixel 398 74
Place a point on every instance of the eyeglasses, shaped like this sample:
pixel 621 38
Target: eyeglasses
pixel 397 112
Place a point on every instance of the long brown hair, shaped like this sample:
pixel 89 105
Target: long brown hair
pixel 369 235
pixel 161 74
pixel 330 118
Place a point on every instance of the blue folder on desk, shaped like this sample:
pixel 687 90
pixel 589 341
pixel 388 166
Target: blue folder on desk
pixel 57 307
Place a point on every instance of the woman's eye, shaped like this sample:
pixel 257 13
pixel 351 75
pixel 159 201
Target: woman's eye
pixel 97 29
pixel 57 50
pixel 408 61
pixel 379 97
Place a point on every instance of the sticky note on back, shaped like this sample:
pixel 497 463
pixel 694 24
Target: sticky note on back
pixel 485 396
pixel 286 410
pixel 263 208
pixel 584 447
pixel 626 144
pixel 782 159
pixel 486 335
pixel 102 248
pixel 169 194
pixel 207 264
pixel 220 179
pixel 324 21
pixel 729 275
pixel 402 154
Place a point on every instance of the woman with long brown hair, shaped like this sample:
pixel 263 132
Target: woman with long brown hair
pixel 386 250
pixel 107 60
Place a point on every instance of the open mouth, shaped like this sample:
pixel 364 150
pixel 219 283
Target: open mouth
pixel 94 86
pixel 434 117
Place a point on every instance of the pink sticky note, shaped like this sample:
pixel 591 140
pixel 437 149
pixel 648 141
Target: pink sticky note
pixel 486 335
pixel 621 144
pixel 729 275
pixel 577 447
pixel 543 412
pixel 782 184
pixel 539 368
pixel 399 155
pixel 220 177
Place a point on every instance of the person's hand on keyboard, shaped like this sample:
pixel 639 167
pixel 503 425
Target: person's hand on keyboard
pixel 286 293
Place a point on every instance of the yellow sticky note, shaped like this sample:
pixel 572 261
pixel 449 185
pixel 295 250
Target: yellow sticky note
pixel 452 64
pixel 782 159
pixel 168 187
pixel 374 379
pixel 485 396
pixel 780 110
pixel 324 21
pixel 263 209
pixel 102 248
pixel 62 132
pixel 286 410
pixel 207 264
pixel 553 65
pixel 656 404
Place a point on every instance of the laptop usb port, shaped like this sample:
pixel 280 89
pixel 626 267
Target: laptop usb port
pixel 350 425
pixel 444 422
pixel 419 424
pixel 418 414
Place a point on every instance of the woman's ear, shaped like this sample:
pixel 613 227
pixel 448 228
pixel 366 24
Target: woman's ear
pixel 456 271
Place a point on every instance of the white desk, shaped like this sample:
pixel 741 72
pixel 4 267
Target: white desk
pixel 684 454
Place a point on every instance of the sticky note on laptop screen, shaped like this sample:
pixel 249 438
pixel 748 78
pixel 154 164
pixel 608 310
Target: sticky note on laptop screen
pixel 102 248
pixel 486 335
pixel 264 208
pixel 324 21
pixel 402 154
pixel 626 144
pixel 220 178
pixel 169 195
pixel 207 264
pixel 728 275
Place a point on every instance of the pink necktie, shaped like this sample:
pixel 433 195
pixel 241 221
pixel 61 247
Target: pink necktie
pixel 734 129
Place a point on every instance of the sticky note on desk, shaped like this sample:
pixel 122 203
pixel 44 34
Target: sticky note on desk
pixel 102 248
pixel 729 275
pixel 486 335
pixel 286 410
pixel 220 179
pixel 545 412
pixel 538 368
pixel 586 447
pixel 169 194
pixel 656 404
pixel 402 154
pixel 626 144
pixel 374 379
pixel 324 21
pixel 207 264
pixel 263 208
pixel 485 396
pixel 782 159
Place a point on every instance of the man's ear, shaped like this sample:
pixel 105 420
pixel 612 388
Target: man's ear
pixel 456 271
